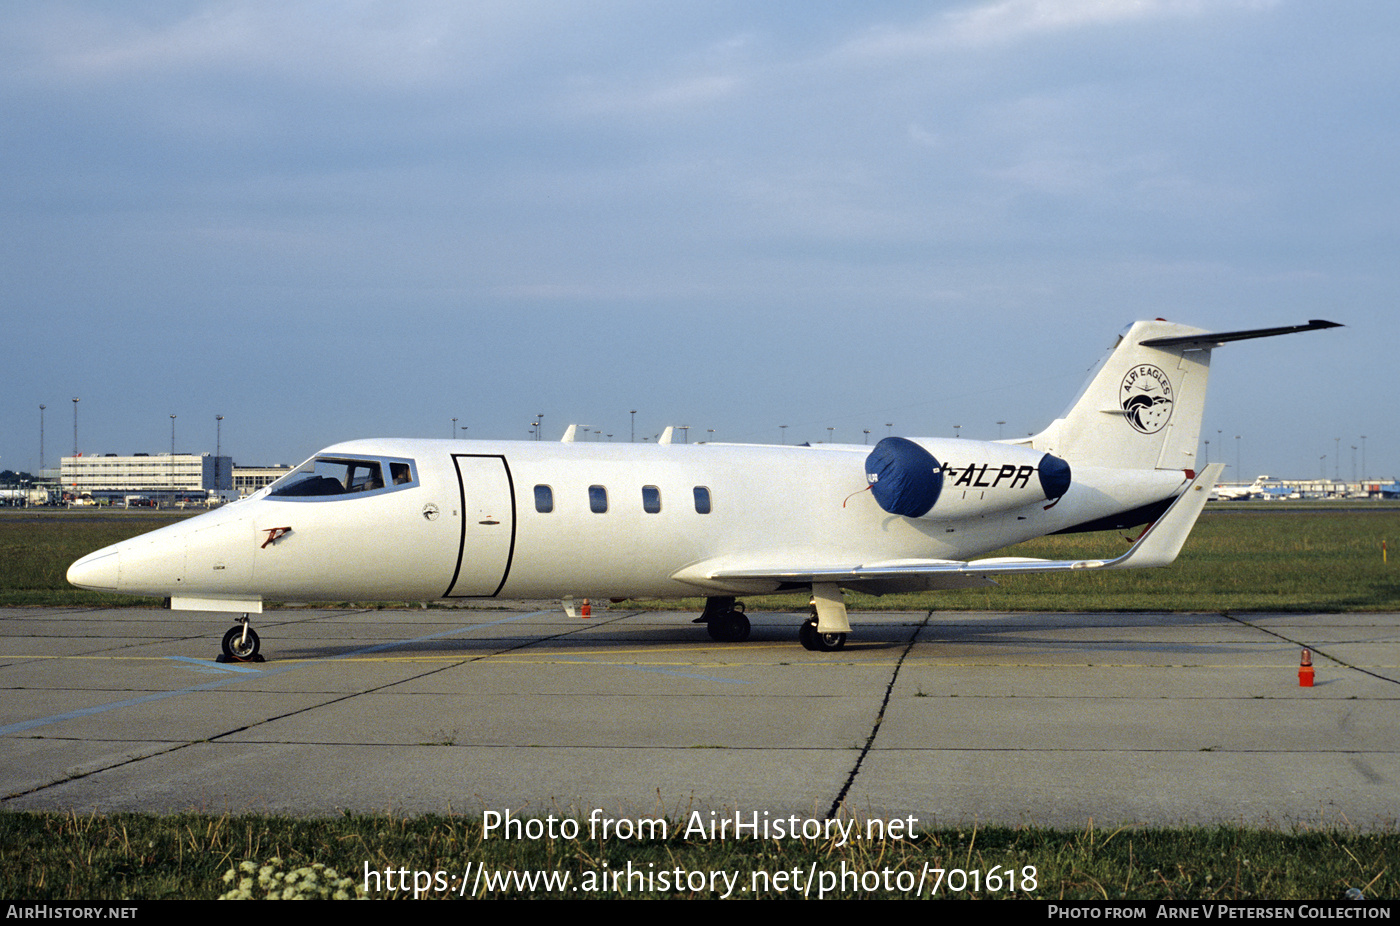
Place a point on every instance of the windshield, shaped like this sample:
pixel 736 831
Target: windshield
pixel 330 477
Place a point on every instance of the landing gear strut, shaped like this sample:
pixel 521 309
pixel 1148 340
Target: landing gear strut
pixel 825 630
pixel 724 620
pixel 241 643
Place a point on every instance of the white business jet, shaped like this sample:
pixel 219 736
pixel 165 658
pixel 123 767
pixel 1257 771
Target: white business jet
pixel 418 520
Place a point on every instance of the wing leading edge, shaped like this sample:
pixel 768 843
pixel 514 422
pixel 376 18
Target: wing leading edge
pixel 1158 546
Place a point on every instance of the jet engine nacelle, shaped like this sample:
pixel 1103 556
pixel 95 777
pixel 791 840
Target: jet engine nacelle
pixel 945 479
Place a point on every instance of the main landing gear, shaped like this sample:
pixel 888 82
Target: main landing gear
pixel 816 641
pixel 823 632
pixel 826 629
pixel 725 621
pixel 241 643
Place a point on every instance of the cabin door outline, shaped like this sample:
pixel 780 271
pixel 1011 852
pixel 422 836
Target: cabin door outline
pixel 487 544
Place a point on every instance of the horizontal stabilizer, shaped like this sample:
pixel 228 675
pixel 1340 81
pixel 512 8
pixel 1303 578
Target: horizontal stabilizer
pixel 1215 339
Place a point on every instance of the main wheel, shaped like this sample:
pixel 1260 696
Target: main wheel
pixel 732 627
pixel 819 642
pixel 238 647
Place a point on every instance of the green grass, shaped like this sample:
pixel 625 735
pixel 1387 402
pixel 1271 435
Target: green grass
pixel 1276 556
pixel 62 857
pixel 38 545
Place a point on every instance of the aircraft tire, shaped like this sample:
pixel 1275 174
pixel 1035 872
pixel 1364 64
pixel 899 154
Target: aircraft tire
pixel 731 627
pixel 819 642
pixel 237 649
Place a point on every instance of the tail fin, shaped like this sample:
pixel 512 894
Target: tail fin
pixel 1142 405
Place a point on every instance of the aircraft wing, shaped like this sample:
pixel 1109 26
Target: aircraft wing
pixel 1158 546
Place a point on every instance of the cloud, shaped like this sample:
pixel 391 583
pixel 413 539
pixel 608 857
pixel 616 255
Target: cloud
pixel 1008 21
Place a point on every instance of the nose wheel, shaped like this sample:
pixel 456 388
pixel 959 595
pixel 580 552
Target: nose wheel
pixel 241 643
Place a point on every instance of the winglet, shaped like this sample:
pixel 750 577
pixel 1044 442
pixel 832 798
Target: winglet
pixel 1162 541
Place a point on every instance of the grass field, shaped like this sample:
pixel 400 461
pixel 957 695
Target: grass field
pixel 61 857
pixel 1282 557
pixel 38 545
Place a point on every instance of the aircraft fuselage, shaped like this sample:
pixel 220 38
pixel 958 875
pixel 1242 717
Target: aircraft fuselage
pixel 478 519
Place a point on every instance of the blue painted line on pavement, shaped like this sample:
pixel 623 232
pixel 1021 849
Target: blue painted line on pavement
pixel 23 725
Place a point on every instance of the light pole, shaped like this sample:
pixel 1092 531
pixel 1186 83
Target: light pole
pixel 999 424
pixel 75 427
pixel 41 437
pixel 634 425
pixel 453 435
pixel 218 446
pixel 782 433
pixel 172 459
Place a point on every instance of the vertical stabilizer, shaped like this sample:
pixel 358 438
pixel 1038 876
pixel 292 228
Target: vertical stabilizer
pixel 1143 403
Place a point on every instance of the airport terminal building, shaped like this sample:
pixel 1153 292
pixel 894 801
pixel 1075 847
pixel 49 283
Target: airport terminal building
pixel 248 479
pixel 161 478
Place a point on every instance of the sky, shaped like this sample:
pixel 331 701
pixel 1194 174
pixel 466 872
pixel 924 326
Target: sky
pixel 328 221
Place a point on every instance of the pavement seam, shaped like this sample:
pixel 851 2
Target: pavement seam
pixel 879 719
pixel 1321 652
pixel 229 681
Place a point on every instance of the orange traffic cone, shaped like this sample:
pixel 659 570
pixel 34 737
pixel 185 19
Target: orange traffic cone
pixel 1305 671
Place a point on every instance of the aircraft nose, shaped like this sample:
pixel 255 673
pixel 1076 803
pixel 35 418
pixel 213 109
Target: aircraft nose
pixel 97 571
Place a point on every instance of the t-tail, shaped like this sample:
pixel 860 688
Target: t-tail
pixel 1141 407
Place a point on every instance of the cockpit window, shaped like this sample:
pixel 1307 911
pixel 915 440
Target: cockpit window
pixel 331 477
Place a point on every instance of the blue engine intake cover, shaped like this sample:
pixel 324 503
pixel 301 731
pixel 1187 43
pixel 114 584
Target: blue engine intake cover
pixel 904 477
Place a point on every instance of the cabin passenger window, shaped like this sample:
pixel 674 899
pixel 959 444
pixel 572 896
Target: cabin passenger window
pixel 544 499
pixel 702 500
pixel 598 499
pixel 651 499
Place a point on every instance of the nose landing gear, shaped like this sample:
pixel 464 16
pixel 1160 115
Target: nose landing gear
pixel 240 643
